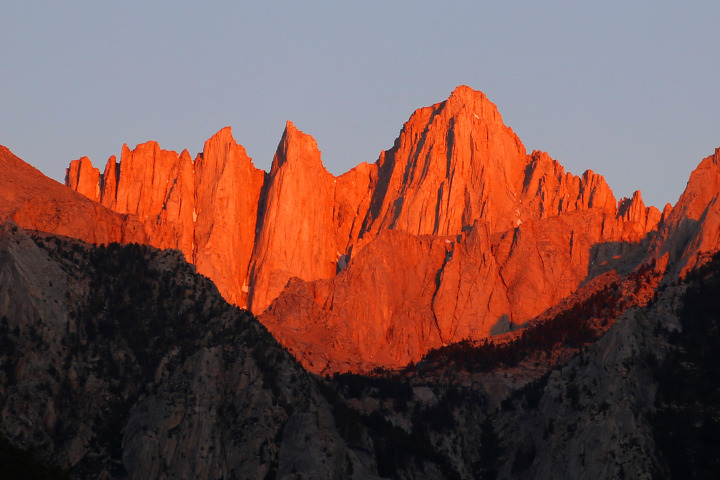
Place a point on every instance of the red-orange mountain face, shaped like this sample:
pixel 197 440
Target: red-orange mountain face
pixel 36 202
pixel 454 233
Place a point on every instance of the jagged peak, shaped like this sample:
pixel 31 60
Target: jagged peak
pixel 145 147
pixel 222 137
pixel 463 102
pixel 297 148
pixel 474 103
pixel 290 127
pixel 223 141
pixel 293 133
pixel 538 158
pixel 628 205
pixel 626 202
pixel 72 173
pixel 224 132
pixel 82 177
pixel 185 155
pixel 702 186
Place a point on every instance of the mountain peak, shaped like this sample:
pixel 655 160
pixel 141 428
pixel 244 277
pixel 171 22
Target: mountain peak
pixel 473 100
pixel 223 138
pixel 82 177
pixel 454 169
pixel 297 148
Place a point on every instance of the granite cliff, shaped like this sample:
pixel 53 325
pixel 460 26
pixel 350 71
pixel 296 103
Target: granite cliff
pixel 119 361
pixel 457 187
pixel 508 319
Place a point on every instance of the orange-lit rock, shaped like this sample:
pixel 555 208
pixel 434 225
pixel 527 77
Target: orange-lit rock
pixel 82 177
pixel 689 233
pixel 353 192
pixel 36 202
pixel 207 209
pixel 387 309
pixel 296 237
pixel 454 233
pixel 643 218
pixel 548 190
pixel 227 198
pixel 456 162
pixel 156 185
pixel 108 182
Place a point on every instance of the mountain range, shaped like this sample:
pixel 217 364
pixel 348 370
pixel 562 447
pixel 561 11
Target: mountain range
pixel 478 235
pixel 452 306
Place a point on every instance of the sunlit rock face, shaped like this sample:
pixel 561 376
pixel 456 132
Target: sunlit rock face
pixel 36 202
pixel 205 208
pixel 455 232
pixel 690 231
pixel 227 189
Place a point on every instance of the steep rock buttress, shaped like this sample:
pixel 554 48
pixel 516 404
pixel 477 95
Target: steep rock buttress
pixel 455 232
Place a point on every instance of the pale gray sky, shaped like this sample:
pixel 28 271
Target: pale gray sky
pixel 628 89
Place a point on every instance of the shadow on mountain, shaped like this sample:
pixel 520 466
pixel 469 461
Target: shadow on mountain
pixel 621 257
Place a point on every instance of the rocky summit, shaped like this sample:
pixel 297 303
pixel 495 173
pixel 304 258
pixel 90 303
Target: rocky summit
pixel 491 236
pixel 475 311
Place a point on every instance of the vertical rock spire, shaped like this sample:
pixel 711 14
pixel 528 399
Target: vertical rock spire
pixel 297 235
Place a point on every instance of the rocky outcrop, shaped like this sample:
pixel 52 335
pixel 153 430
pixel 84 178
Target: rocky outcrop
pixel 155 185
pixel 296 236
pixel 82 177
pixel 509 233
pixel 207 209
pixel 633 210
pixel 121 362
pixel 227 200
pixel 689 233
pixel 452 288
pixel 36 202
pixel 456 162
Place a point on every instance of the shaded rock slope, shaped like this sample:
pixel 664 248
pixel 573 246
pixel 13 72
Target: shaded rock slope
pixel 519 321
pixel 121 362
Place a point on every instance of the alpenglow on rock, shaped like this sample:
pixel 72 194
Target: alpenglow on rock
pixel 485 236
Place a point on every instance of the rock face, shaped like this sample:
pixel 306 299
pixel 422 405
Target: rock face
pixel 36 202
pixel 296 237
pixel 82 177
pixel 453 288
pixel 456 162
pixel 690 231
pixel 227 190
pixel 207 209
pixel 121 362
pixel 477 234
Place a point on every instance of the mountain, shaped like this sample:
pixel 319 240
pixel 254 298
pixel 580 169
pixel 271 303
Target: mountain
pixel 120 361
pixel 37 202
pixel 491 236
pixel 494 316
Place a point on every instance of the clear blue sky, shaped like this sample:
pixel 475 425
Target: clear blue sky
pixel 629 89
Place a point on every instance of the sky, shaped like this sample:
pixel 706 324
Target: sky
pixel 629 89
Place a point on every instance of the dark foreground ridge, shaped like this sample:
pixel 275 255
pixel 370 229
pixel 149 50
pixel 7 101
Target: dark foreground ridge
pixel 121 361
